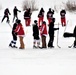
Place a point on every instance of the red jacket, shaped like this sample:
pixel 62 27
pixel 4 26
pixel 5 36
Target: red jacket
pixel 43 30
pixel 19 30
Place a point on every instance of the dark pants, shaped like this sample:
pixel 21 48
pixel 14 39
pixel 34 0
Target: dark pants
pixel 14 36
pixel 43 41
pixel 51 39
pixel 13 42
pixel 5 17
pixel 15 16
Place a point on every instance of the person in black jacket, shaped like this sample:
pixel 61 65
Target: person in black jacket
pixel 13 42
pixel 27 17
pixel 6 15
pixel 15 14
pixel 63 17
pixel 50 14
pixel 74 34
pixel 36 35
pixel 51 33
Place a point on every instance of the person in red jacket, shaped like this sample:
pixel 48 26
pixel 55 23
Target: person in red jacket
pixel 43 32
pixel 63 18
pixel 40 17
pixel 50 14
pixel 27 17
pixel 20 32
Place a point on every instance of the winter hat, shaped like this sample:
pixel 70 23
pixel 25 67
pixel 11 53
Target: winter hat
pixel 35 21
pixel 18 21
pixel 49 9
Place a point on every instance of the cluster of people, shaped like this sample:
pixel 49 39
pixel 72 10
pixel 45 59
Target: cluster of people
pixel 7 13
pixel 39 27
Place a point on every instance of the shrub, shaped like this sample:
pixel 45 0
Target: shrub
pixel 70 5
pixel 29 4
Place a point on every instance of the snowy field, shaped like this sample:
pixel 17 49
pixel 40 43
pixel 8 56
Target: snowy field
pixel 55 61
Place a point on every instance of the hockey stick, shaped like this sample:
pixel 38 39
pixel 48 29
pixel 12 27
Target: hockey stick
pixel 58 37
pixel 10 25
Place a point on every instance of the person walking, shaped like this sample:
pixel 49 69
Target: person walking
pixel 15 13
pixel 6 15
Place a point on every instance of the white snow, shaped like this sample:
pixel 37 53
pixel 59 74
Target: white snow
pixel 56 61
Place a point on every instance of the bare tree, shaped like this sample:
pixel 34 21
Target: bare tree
pixel 29 4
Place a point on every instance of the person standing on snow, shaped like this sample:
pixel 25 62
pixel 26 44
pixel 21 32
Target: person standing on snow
pixel 27 17
pixel 50 14
pixel 63 18
pixel 43 32
pixel 51 33
pixel 36 35
pixel 15 14
pixel 13 42
pixel 40 16
pixel 20 32
pixel 6 15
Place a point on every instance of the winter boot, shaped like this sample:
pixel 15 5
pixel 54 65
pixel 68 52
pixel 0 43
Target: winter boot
pixel 10 45
pixel 34 46
pixel 14 46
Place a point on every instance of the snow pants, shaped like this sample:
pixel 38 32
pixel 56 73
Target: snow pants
pixel 40 20
pixel 27 22
pixel 49 20
pixel 51 39
pixel 63 21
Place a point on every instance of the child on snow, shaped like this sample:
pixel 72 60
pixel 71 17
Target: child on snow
pixel 43 32
pixel 27 17
pixel 13 42
pixel 63 18
pixel 40 16
pixel 36 35
pixel 50 14
pixel 20 32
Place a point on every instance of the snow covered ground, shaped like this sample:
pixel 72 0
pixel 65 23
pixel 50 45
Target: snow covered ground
pixel 56 61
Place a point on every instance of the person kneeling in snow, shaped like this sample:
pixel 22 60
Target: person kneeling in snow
pixel 13 42
pixel 20 32
pixel 36 35
pixel 74 34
